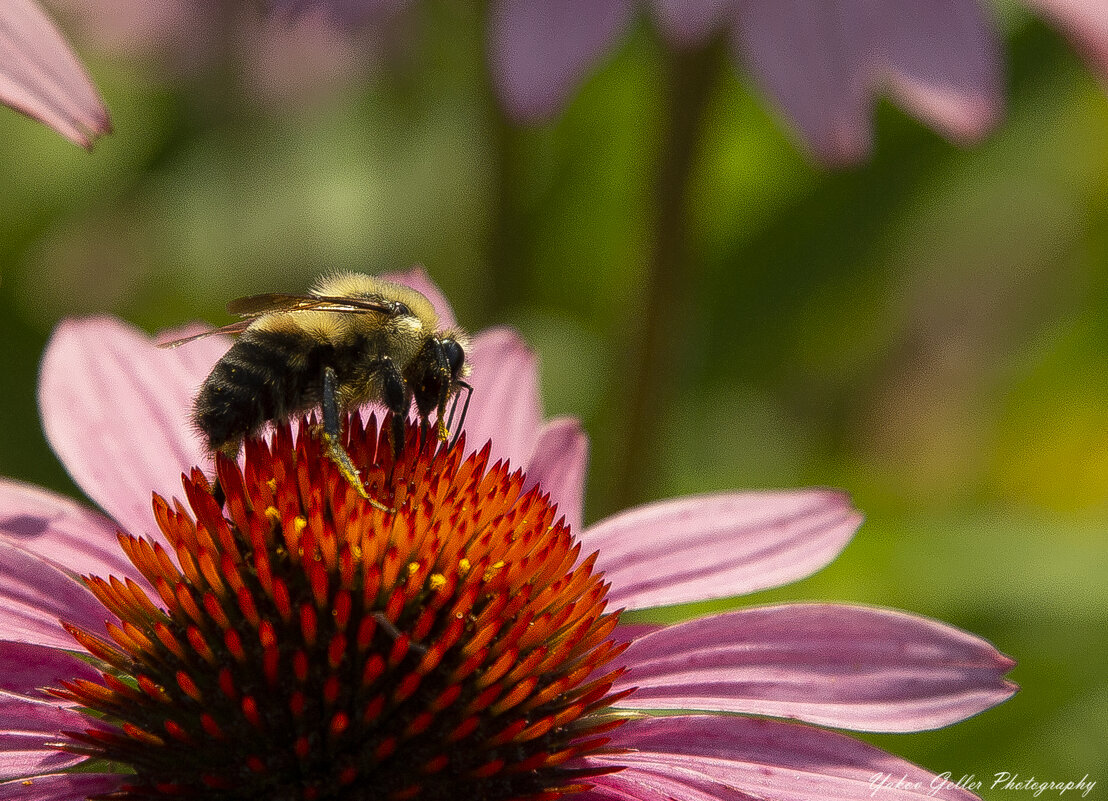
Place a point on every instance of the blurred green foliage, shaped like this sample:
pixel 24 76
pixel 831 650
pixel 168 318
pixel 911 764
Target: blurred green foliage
pixel 928 331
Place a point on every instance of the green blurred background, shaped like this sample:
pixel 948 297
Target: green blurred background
pixel 927 331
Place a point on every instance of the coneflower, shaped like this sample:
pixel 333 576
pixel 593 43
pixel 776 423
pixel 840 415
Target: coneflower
pixel 296 643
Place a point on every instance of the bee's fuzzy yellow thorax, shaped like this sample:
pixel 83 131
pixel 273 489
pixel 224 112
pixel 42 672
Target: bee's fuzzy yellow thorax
pixel 359 285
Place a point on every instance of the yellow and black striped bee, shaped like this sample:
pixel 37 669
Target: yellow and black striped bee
pixel 352 339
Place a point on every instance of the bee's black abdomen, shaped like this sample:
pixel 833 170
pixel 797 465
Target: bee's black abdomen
pixel 268 376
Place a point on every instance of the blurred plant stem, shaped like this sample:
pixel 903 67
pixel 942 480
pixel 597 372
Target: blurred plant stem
pixel 508 254
pixel 657 338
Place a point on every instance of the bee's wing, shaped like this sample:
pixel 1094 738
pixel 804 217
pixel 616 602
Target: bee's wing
pixel 257 305
pixel 232 328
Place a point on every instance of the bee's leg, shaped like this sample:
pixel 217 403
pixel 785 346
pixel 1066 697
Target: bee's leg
pixel 217 493
pixel 231 451
pixel 443 368
pixel 453 410
pixel 395 396
pixel 465 409
pixel 332 439
pixel 424 429
pixel 441 432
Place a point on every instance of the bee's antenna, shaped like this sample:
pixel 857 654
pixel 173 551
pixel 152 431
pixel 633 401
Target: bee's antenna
pixel 465 410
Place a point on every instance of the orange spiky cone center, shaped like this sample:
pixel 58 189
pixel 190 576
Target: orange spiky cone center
pixel 301 644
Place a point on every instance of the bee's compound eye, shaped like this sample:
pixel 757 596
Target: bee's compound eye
pixel 401 309
pixel 455 356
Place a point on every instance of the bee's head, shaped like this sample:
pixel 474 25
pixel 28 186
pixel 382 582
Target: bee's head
pixel 455 357
pixel 435 372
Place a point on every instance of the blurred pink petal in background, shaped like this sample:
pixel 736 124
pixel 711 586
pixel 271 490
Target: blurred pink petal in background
pixel 541 50
pixel 179 32
pixel 297 52
pixel 41 77
pixel 348 12
pixel 822 63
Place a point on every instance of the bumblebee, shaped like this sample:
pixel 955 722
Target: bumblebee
pixel 353 339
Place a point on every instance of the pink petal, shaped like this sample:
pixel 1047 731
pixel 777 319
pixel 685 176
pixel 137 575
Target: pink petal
pixel 505 405
pixel 816 59
pixel 35 595
pixel 1085 22
pixel 115 409
pixel 27 668
pixel 648 783
pixel 541 50
pixel 847 666
pixel 943 64
pixel 558 466
pixel 61 530
pixel 625 632
pixel 20 758
pixel 61 787
pixel 719 757
pixel 40 75
pixel 27 727
pixel 689 23
pixel 418 279
pixel 716 546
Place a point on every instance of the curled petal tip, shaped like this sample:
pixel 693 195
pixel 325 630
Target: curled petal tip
pixel 944 64
pixel 1085 22
pixel 41 77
